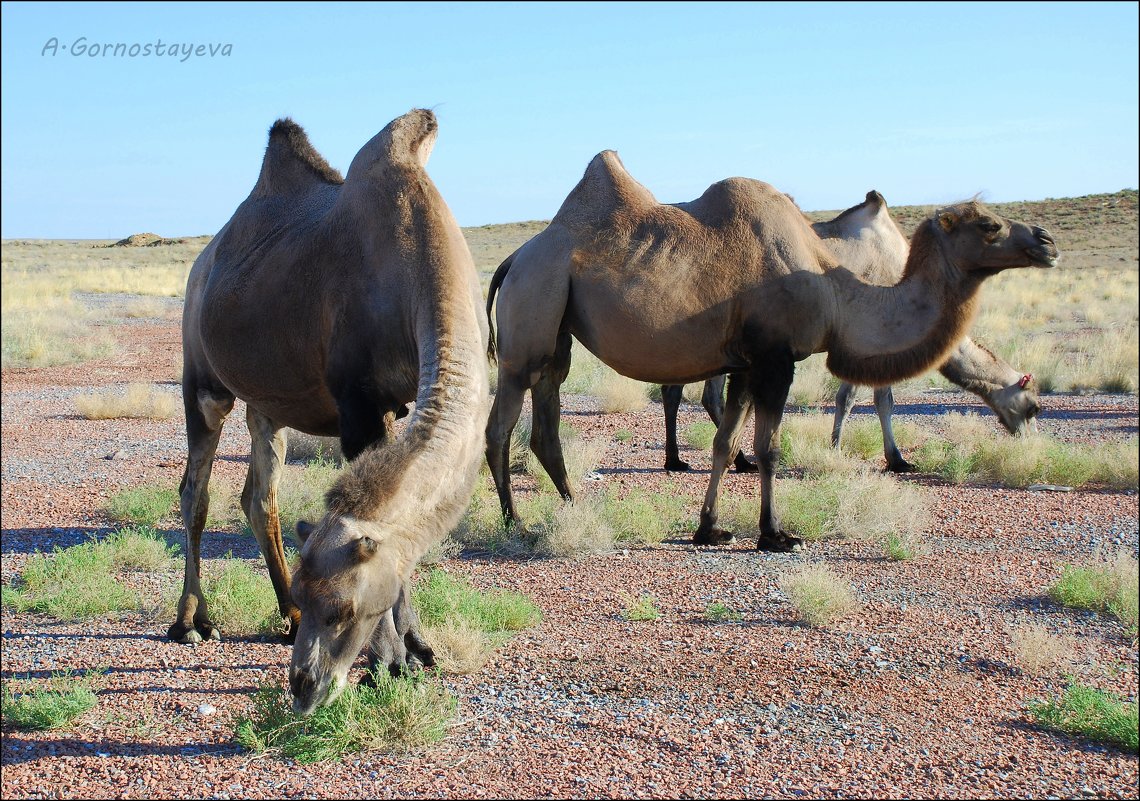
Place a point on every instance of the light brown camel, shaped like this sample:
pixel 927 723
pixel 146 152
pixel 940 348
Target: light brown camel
pixel 867 241
pixel 328 304
pixel 734 282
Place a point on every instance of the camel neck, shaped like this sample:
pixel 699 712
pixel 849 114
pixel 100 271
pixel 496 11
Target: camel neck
pixel 887 334
pixel 977 370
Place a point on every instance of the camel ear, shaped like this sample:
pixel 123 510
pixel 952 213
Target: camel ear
pixel 304 529
pixel 948 220
pixel 366 548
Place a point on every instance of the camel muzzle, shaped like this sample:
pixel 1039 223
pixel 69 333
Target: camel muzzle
pixel 1044 253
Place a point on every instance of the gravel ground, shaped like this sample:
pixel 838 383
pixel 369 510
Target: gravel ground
pixel 917 695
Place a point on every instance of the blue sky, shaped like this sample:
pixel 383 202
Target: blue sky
pixel 928 103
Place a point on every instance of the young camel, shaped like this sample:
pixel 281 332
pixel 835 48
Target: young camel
pixel 327 304
pixel 867 241
pixel 733 282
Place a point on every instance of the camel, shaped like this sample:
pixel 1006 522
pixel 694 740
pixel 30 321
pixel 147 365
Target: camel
pixel 733 282
pixel 867 241
pixel 328 304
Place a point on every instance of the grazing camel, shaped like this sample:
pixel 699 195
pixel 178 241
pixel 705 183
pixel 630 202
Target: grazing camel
pixel 868 242
pixel 733 282
pixel 327 304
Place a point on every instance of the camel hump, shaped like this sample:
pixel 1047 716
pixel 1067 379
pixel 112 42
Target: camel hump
pixel 606 187
pixel 406 140
pixel 291 162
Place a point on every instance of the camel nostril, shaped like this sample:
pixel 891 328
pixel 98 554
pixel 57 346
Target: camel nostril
pixel 301 684
pixel 1044 236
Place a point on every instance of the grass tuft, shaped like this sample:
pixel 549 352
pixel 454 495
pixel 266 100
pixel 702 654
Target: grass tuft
pixel 1089 712
pixel 1108 586
pixel 138 401
pixel 719 613
pixel 642 608
pixel 397 715
pixel 818 594
pixel 144 506
pixel 1038 651
pixel 56 706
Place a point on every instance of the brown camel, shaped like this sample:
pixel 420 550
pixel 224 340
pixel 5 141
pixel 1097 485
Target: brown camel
pixel 866 240
pixel 733 282
pixel 327 304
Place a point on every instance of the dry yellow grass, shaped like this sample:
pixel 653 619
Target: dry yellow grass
pixel 1037 651
pixel 818 594
pixel 144 401
pixel 459 647
pixel 616 393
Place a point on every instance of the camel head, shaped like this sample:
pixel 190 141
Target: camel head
pixel 980 242
pixel 1016 406
pixel 347 581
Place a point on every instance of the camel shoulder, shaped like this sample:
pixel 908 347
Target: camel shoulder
pixel 291 164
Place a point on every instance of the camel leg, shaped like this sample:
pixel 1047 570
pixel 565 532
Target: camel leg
pixel 671 400
pixel 259 502
pixel 726 442
pixel 712 398
pixel 885 407
pixel 205 413
pixel 547 404
pixel 505 413
pixel 771 380
pixel 396 643
pixel 844 403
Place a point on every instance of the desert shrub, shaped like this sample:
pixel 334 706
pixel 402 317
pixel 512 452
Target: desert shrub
pixel 818 594
pixel 302 447
pixel 395 715
pixel 142 401
pixel 1036 650
pixel 575 530
pixel 144 506
pixel 623 435
pixel 55 706
pixel 1089 712
pixel 903 545
pixel 301 494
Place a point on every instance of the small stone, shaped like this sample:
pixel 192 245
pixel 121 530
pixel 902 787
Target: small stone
pixel 205 710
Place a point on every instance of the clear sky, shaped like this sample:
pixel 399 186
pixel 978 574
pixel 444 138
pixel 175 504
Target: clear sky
pixel 926 102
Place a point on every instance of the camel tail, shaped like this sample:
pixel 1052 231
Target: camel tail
pixel 496 282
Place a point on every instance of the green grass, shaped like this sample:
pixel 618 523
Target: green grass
pixel 1106 586
pixel 439 598
pixel 397 715
pixel 71 584
pixel 700 435
pixel 642 608
pixel 241 600
pixel 1087 712
pixel 56 706
pixel 144 506
pixel 643 517
pixel 719 613
pixel 623 435
pixel 140 548
pixel 901 547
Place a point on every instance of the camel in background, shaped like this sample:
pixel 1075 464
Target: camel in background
pixel 867 241
pixel 733 282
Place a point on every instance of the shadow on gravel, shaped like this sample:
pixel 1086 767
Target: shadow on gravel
pixel 215 544
pixel 1076 744
pixel 18 750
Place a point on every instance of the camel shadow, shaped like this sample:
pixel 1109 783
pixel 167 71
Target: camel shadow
pixel 216 544
pixel 17 749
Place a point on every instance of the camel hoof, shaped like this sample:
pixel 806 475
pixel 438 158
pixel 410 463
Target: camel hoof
pixel 715 536
pixel 779 543
pixel 902 466
pixel 677 467
pixel 193 635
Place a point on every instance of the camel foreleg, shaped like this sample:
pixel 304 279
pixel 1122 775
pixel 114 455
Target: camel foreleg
pixel 771 379
pixel 885 407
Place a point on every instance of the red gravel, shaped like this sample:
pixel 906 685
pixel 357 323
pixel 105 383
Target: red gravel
pixel 915 696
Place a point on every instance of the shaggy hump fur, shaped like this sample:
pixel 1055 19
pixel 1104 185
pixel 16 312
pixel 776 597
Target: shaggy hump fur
pixel 291 138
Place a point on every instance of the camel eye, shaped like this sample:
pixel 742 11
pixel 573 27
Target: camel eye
pixel 991 227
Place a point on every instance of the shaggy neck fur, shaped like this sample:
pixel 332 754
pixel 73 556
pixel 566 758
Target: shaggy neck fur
pixel 887 334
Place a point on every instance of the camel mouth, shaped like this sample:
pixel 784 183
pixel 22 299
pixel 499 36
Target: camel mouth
pixel 1043 258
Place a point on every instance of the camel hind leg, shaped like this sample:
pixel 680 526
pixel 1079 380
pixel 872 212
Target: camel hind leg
pixel 547 404
pixel 771 379
pixel 712 398
pixel 259 502
pixel 206 411
pixel 885 407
